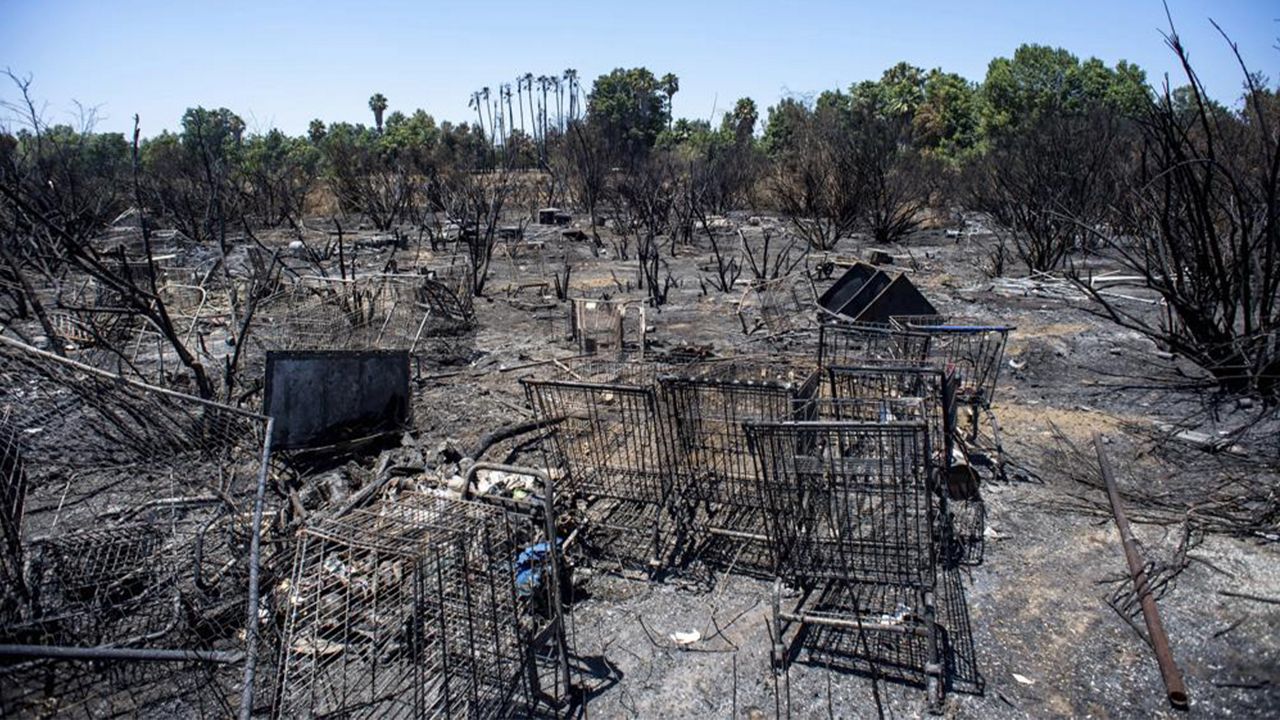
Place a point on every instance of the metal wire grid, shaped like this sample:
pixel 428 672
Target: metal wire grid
pixel 607 327
pixel 137 517
pixel 407 609
pixel 851 344
pixel 895 644
pixel 706 421
pixel 380 312
pixel 974 351
pixel 13 494
pixel 611 442
pixel 931 387
pixel 785 303
pixel 848 501
pixel 853 521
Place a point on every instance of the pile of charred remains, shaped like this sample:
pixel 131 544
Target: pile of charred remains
pixel 149 569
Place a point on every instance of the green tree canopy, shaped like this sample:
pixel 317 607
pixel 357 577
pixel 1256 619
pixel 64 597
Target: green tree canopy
pixel 628 107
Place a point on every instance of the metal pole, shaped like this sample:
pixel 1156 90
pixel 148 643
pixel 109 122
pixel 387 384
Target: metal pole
pixel 255 554
pixel 1155 628
pixel 62 652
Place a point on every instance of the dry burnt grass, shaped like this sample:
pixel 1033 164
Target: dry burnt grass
pixel 1040 627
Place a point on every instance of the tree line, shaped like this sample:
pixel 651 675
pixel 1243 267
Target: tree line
pixel 1063 156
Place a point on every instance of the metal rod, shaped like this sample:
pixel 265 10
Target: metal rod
pixel 848 624
pixel 62 652
pixel 1173 684
pixel 255 554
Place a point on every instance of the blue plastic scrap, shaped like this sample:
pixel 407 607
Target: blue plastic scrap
pixel 528 568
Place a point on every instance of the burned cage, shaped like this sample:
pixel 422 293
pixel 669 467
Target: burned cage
pixel 890 390
pixel 845 344
pixel 707 416
pixel 132 544
pixel 611 443
pixel 853 519
pixel 416 607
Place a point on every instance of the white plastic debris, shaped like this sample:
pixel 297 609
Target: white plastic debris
pixel 1023 679
pixel 686 638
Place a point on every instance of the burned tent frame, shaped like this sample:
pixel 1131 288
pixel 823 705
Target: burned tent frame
pixel 138 515
pixel 854 525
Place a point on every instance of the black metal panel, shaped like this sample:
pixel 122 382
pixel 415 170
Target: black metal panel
pixel 323 397
pixel 846 286
pixel 900 297
pixel 868 292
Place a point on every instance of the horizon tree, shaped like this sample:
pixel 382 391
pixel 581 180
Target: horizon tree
pixel 571 77
pixel 670 86
pixel 378 104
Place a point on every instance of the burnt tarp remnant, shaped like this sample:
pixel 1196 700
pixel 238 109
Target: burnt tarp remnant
pixel 900 297
pixel 323 397
pixel 844 288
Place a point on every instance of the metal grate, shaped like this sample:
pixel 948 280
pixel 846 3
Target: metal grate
pixel 974 351
pixel 406 609
pixel 848 500
pixel 707 416
pixel 136 528
pixel 851 344
pixel 895 387
pixel 852 513
pixel 611 443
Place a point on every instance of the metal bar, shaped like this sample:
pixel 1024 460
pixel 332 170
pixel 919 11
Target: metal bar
pixel 847 624
pixel 1173 684
pixel 62 652
pixel 255 555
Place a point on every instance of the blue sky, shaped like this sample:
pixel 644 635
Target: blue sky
pixel 282 63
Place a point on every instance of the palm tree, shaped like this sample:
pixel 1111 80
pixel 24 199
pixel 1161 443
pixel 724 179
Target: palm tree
pixel 488 106
pixel 315 131
pixel 520 100
pixel 533 117
pixel 378 104
pixel 555 83
pixel 544 84
pixel 511 116
pixel 670 86
pixel 571 78
pixel 475 103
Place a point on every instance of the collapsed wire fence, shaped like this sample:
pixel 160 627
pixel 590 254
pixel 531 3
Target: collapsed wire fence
pixel 132 536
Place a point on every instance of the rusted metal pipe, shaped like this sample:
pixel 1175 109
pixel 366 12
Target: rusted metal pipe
pixel 60 652
pixel 1173 684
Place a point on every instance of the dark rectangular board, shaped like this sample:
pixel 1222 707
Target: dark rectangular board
pixel 846 286
pixel 900 297
pixel 324 397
